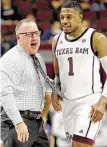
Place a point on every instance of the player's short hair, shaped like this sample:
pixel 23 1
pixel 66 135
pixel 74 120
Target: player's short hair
pixel 72 4
pixel 21 22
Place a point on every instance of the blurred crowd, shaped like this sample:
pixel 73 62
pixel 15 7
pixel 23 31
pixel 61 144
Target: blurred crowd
pixel 46 13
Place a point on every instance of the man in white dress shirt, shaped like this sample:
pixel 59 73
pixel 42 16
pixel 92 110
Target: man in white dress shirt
pixel 23 90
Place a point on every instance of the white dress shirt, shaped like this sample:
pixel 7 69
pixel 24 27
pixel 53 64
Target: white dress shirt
pixel 21 87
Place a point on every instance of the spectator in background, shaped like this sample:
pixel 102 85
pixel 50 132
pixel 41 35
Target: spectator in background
pixel 105 3
pixel 86 23
pixel 56 28
pixel 85 5
pixel 5 46
pixel 31 16
pixel 47 35
pixel 97 6
pixel 7 8
pixel 8 38
pixel 56 4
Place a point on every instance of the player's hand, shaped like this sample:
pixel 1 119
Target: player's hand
pixel 44 119
pixel 22 132
pixel 56 102
pixel 98 110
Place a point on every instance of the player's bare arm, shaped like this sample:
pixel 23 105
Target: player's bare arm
pixel 100 45
pixel 55 98
pixel 46 106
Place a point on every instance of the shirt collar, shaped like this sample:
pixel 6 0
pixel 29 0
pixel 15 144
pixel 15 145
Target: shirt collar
pixel 22 50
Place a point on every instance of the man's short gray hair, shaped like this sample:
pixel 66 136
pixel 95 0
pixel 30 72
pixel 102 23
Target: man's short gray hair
pixel 21 22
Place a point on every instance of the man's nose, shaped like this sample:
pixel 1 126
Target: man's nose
pixel 64 23
pixel 65 20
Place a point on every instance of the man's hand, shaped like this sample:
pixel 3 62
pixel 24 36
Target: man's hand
pixel 98 110
pixel 22 132
pixel 56 102
pixel 1 145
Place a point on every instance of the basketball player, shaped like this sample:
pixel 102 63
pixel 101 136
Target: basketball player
pixel 77 74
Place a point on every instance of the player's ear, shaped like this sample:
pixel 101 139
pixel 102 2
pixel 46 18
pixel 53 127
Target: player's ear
pixel 81 17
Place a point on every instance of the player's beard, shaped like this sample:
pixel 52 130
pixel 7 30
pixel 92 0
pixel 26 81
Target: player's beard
pixel 70 32
pixel 67 33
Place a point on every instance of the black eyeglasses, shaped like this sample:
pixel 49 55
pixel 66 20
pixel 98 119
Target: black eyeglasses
pixel 30 34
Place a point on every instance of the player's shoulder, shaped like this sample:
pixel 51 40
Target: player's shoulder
pixel 99 41
pixel 96 34
pixel 99 36
pixel 55 38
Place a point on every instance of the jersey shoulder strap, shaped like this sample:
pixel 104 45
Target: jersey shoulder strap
pixel 57 39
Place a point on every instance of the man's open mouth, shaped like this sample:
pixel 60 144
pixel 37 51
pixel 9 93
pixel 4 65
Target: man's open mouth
pixel 33 44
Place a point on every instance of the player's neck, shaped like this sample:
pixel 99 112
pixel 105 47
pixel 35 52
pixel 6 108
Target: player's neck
pixel 76 33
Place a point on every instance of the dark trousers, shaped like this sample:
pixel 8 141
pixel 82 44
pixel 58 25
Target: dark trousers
pixel 37 135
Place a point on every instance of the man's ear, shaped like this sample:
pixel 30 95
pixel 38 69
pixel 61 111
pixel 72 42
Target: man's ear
pixel 17 37
pixel 81 17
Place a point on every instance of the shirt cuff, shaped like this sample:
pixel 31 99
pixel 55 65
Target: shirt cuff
pixel 17 119
pixel 1 142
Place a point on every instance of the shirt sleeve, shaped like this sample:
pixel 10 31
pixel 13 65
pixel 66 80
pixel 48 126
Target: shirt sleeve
pixel 10 78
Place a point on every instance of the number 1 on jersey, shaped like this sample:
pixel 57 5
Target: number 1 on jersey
pixel 71 73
